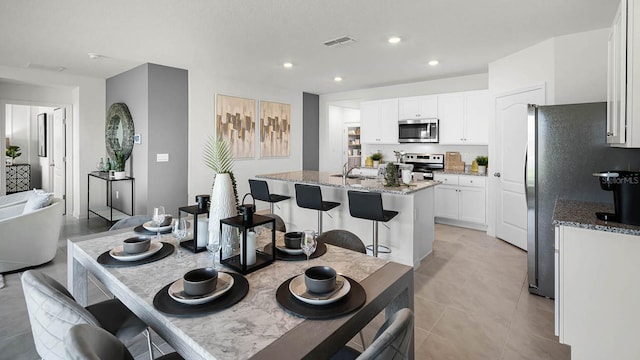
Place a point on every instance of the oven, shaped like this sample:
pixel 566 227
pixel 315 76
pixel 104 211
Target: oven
pixel 425 164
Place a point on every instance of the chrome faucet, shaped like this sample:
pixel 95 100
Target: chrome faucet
pixel 346 170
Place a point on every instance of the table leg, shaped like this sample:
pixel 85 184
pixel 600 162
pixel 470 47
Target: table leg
pixel 77 276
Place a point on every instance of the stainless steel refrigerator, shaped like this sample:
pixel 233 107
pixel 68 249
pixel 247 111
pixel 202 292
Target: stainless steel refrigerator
pixel 566 145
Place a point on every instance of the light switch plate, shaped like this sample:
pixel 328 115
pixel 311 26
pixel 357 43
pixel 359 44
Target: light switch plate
pixel 162 157
pixel 137 139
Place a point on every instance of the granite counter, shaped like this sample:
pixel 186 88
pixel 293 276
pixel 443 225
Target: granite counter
pixel 582 214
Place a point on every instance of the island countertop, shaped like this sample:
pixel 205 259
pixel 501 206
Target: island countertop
pixel 328 179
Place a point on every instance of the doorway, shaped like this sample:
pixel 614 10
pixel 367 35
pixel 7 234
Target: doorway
pixel 38 133
pixel 511 144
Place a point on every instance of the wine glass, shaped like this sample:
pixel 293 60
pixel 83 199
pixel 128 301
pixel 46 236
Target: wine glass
pixel 158 218
pixel 213 246
pixel 308 243
pixel 180 232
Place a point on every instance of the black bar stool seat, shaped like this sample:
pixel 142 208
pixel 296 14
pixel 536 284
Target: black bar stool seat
pixel 260 191
pixel 310 197
pixel 368 206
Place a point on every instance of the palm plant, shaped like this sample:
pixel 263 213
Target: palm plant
pixel 13 151
pixel 218 157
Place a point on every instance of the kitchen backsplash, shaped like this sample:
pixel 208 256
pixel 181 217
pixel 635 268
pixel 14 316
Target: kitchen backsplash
pixel 468 152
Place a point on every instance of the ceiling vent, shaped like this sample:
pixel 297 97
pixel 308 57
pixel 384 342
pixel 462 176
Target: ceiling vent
pixel 46 67
pixel 341 41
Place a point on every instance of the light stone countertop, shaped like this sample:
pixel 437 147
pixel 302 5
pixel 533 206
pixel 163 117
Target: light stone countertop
pixel 326 179
pixel 245 328
pixel 582 214
pixel 459 173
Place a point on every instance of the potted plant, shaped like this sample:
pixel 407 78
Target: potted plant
pixel 12 152
pixel 224 193
pixel 118 165
pixel 376 157
pixel 482 161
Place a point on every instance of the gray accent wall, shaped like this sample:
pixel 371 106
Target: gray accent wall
pixel 157 97
pixel 310 131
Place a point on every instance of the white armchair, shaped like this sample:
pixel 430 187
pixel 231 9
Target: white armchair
pixel 29 239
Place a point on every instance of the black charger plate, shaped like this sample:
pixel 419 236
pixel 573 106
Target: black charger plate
pixel 351 302
pixel 106 259
pixel 321 249
pixel 164 303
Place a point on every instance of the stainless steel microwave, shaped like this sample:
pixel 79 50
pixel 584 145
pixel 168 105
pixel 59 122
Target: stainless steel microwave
pixel 418 131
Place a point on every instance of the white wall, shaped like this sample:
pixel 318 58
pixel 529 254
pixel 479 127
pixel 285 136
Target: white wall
pixel 203 86
pixel 85 119
pixel 330 137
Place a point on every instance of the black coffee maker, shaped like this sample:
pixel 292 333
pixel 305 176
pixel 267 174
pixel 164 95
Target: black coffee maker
pixel 625 186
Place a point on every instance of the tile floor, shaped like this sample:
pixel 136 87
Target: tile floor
pixel 471 302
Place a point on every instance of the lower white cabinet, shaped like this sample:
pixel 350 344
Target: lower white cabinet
pixel 597 295
pixel 461 198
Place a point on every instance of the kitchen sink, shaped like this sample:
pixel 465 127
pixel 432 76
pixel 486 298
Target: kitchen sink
pixel 350 176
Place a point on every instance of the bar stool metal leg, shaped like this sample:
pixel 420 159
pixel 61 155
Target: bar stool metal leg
pixel 319 222
pixel 375 238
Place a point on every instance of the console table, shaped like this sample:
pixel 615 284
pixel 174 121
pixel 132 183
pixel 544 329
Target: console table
pixel 18 178
pixel 106 210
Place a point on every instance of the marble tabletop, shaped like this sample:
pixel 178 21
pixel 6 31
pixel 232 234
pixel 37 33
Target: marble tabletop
pixel 236 333
pixel 328 179
pixel 582 214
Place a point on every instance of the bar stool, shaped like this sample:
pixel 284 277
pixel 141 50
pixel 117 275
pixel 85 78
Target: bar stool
pixel 368 206
pixel 260 191
pixel 310 197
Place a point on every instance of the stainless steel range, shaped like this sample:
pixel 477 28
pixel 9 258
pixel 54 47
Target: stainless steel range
pixel 425 163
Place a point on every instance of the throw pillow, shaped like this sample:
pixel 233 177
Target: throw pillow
pixel 38 200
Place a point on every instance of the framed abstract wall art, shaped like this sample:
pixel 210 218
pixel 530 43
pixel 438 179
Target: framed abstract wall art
pixel 235 122
pixel 275 129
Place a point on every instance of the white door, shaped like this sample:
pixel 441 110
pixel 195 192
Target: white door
pixel 57 164
pixel 511 145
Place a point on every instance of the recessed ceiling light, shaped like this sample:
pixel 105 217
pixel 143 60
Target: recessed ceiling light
pixel 94 56
pixel 394 40
pixel 337 78
pixel 433 62
pixel 287 65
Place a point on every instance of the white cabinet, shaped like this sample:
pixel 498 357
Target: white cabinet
pixel 623 99
pixel 418 107
pixel 379 122
pixel 597 297
pixel 461 198
pixel 464 118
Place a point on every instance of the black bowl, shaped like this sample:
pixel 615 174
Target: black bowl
pixel 136 245
pixel 320 279
pixel 292 240
pixel 200 281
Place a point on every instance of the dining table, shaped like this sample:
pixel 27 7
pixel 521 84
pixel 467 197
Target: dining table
pixel 256 327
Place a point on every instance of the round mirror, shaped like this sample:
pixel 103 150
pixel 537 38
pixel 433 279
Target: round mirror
pixel 119 131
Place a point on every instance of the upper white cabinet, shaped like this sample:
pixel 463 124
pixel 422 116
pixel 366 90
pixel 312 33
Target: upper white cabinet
pixel 418 107
pixel 623 100
pixel 379 122
pixel 464 117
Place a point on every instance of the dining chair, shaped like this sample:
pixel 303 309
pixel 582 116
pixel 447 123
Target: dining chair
pixel 344 239
pixel 280 225
pixel 392 341
pixel 53 311
pixel 130 221
pixel 88 342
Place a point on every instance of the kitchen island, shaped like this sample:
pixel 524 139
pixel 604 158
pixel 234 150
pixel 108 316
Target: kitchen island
pixel 409 235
